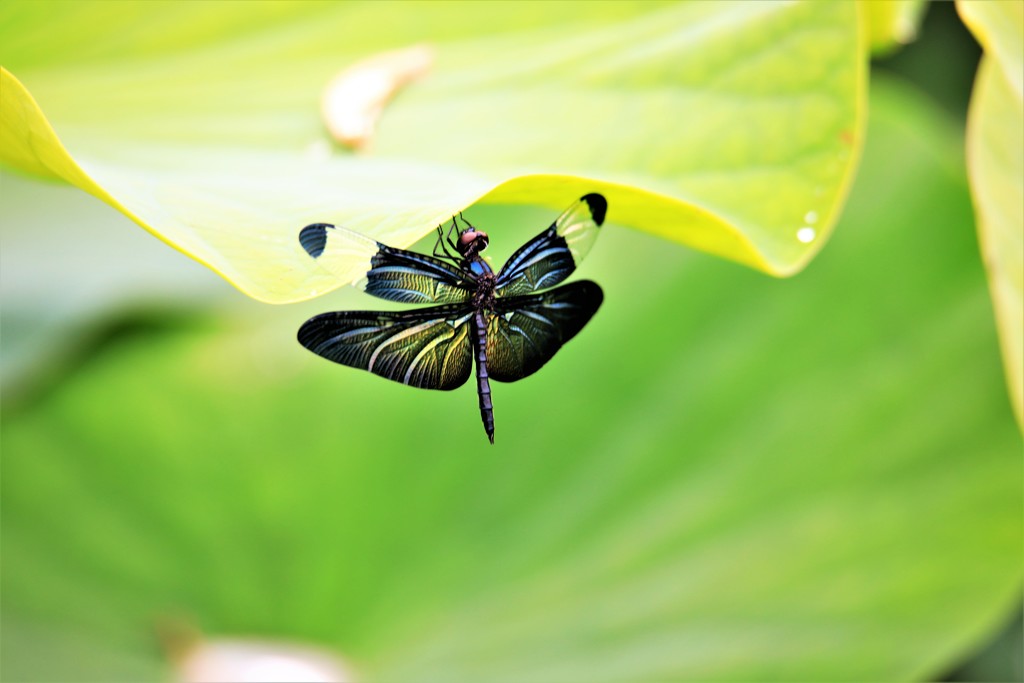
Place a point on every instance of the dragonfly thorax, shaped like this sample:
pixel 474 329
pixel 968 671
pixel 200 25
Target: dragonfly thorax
pixel 483 297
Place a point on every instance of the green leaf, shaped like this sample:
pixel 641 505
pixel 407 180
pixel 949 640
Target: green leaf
pixel 892 23
pixel 999 27
pixel 995 157
pixel 729 127
pixel 723 477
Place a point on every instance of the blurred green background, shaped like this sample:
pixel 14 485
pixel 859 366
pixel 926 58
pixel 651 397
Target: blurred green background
pixel 725 476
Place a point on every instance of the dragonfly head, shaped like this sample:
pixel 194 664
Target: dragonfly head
pixel 472 242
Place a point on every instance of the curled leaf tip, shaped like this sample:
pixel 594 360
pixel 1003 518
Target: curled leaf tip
pixel 353 101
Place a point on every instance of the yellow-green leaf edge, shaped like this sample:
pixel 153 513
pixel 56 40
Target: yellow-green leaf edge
pixel 995 164
pixel 29 143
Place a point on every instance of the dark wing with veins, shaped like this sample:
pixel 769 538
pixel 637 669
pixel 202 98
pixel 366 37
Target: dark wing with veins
pixel 524 332
pixel 553 255
pixel 428 348
pixel 383 271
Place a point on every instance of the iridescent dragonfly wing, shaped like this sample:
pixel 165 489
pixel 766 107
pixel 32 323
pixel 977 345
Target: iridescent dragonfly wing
pixel 553 255
pixel 429 348
pixel 383 271
pixel 524 332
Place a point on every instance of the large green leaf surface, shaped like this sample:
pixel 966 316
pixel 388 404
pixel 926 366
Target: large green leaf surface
pixel 724 477
pixel 730 127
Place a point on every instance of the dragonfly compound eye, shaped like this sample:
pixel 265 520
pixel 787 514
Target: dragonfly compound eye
pixel 476 237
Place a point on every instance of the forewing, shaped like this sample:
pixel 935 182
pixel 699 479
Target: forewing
pixel 524 332
pixel 551 256
pixel 428 348
pixel 383 271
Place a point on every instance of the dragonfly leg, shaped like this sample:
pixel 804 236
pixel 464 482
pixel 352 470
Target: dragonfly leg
pixel 468 224
pixel 454 228
pixel 441 248
pixel 439 244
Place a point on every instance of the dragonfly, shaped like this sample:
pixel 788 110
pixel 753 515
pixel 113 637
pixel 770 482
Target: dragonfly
pixel 505 321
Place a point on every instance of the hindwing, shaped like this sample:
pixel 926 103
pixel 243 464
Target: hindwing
pixel 524 332
pixel 428 348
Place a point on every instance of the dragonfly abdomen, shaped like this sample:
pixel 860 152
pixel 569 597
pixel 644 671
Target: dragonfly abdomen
pixel 483 384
